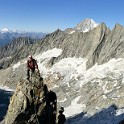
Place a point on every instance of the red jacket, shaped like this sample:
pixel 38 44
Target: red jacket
pixel 32 64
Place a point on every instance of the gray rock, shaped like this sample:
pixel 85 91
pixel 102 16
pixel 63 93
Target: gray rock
pixel 32 103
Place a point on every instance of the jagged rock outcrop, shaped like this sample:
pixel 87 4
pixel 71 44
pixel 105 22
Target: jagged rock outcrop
pixel 84 45
pixel 109 47
pixel 113 46
pixel 12 48
pixel 95 54
pixel 32 103
pixel 9 53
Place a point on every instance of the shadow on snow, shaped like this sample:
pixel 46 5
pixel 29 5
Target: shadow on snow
pixel 105 116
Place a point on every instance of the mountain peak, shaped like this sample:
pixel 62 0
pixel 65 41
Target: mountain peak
pixel 88 19
pixel 86 25
pixel 4 30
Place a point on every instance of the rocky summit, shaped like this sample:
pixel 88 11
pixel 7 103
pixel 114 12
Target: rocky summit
pixel 32 103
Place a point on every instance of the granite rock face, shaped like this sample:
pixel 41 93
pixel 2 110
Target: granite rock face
pixel 9 53
pixel 114 44
pixel 14 46
pixel 32 103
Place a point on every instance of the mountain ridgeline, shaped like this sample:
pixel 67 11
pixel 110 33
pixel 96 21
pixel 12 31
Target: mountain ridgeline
pixel 69 71
pixel 7 36
pixel 97 43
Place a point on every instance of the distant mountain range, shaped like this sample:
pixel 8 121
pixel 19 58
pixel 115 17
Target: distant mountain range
pixel 7 36
pixel 83 65
pixel 88 40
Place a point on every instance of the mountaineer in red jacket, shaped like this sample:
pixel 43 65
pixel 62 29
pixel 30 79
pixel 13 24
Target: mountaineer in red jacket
pixel 31 66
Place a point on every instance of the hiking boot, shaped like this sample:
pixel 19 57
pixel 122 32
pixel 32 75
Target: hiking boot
pixel 28 78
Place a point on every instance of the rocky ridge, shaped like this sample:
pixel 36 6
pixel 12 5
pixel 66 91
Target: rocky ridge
pixel 32 103
pixel 97 45
pixel 9 51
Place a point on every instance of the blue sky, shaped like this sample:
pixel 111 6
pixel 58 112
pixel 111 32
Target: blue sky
pixel 48 15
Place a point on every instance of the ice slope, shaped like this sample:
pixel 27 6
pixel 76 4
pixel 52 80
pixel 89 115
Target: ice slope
pixel 69 76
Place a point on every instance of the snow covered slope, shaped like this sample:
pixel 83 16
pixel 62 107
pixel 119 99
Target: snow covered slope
pixel 88 96
pixel 80 90
pixel 86 25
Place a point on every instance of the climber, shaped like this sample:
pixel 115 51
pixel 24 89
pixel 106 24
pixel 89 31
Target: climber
pixel 61 117
pixel 31 66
